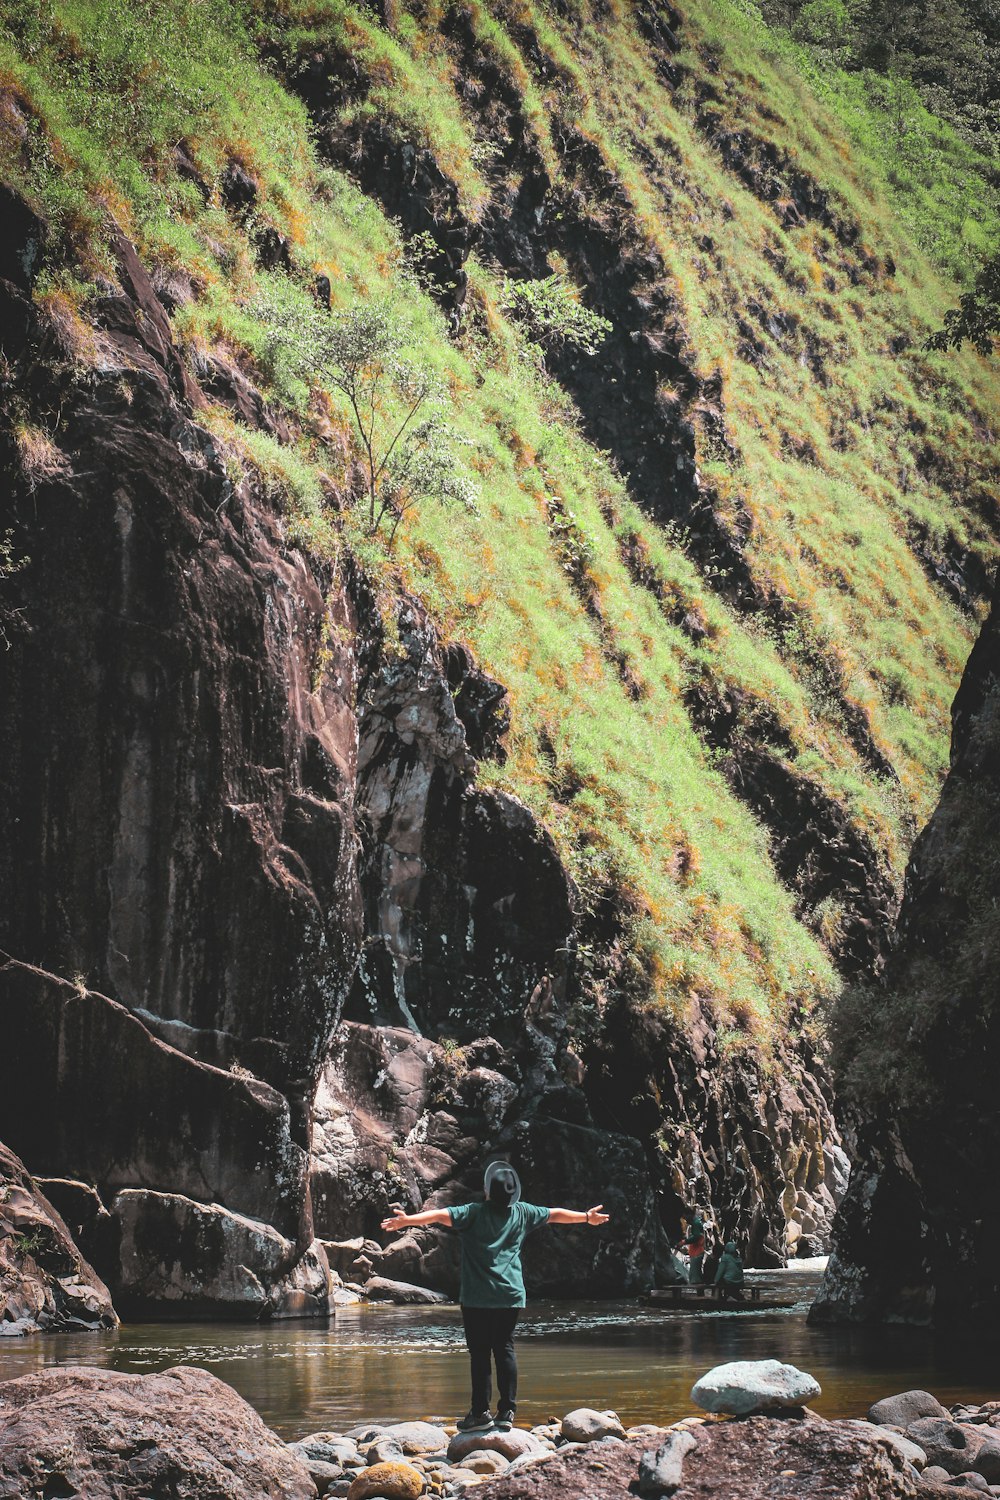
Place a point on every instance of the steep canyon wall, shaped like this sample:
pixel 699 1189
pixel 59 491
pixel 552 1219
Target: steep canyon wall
pixel 917 1236
pixel 232 805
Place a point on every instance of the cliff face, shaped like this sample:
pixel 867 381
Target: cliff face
pixel 178 826
pixel 331 863
pixel 231 803
pixel 917 1235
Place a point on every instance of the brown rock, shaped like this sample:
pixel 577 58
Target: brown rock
pixel 44 1280
pixel 759 1458
pixel 393 1481
pixel 957 1446
pixel 109 1436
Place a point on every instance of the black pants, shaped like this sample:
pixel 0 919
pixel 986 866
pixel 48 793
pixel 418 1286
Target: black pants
pixel 490 1331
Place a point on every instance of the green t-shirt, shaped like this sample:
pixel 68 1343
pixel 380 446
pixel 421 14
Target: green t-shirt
pixel 491 1251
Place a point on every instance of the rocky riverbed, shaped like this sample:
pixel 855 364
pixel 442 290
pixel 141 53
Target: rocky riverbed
pixel 81 1432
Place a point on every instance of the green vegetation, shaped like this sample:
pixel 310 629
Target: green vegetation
pixel 827 437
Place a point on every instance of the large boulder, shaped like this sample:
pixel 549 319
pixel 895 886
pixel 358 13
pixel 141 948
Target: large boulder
pixel 109 1436
pixel 511 1444
pixel 180 1256
pixel 751 1385
pixel 44 1280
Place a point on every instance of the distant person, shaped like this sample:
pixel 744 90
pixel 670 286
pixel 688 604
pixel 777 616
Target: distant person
pixel 693 1246
pixel 492 1290
pixel 729 1272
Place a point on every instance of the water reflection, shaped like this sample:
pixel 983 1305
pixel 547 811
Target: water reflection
pixel 394 1363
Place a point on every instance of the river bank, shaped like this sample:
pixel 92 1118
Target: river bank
pixel 368 1362
pixel 80 1432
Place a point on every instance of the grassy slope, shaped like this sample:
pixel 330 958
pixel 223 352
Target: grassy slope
pixel 832 470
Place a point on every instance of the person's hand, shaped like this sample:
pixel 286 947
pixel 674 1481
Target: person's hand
pixel 396 1219
pixel 595 1217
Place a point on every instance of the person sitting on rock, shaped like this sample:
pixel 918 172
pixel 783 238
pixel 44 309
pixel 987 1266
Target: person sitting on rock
pixel 492 1288
pixel 729 1272
pixel 693 1246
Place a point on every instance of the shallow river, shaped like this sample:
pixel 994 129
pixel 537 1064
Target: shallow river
pixel 384 1362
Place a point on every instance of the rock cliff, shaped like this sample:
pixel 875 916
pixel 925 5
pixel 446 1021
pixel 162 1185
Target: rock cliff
pixel 917 1235
pixel 235 798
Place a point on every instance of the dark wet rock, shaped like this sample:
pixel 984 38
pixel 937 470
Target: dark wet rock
pixel 916 1237
pixel 45 1283
pixel 107 1436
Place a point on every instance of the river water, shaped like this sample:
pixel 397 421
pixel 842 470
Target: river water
pixel 382 1362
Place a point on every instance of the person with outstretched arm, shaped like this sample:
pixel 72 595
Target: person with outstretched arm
pixel 492 1289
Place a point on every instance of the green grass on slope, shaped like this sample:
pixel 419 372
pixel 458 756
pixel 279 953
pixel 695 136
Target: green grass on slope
pixel 836 447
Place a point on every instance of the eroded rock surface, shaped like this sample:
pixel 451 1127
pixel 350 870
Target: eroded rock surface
pixel 108 1436
pixel 176 766
pixel 44 1280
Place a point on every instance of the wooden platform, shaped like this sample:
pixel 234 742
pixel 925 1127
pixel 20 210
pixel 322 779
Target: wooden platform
pixel 752 1297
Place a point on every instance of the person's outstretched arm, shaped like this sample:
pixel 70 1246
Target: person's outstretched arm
pixel 408 1221
pixel 593 1216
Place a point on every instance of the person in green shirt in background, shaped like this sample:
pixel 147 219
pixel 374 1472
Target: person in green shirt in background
pixel 729 1272
pixel 492 1288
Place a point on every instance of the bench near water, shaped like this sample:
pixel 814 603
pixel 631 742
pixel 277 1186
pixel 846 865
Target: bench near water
pixel 701 1298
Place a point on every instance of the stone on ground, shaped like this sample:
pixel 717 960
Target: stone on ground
pixel 483 1461
pixel 327 1448
pixel 104 1435
pixel 392 1481
pixel 418 1437
pixel 588 1426
pixel 661 1469
pixel 384 1450
pixel 907 1407
pixel 510 1444
pixel 751 1385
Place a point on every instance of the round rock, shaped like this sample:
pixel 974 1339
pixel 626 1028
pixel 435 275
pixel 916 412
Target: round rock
pixel 390 1481
pixel 510 1444
pixel 588 1426
pixel 907 1407
pixel 748 1385
pixel 418 1437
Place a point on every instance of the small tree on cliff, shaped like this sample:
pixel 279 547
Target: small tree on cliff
pixel 397 405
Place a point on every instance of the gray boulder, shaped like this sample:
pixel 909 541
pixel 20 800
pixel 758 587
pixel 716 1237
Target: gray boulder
pixel 661 1469
pixel 384 1450
pixel 328 1448
pixel 749 1385
pixel 901 1410
pixel 585 1425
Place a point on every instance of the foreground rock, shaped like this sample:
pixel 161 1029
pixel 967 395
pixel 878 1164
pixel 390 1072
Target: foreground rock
pixel 761 1458
pixel 745 1386
pixel 587 1426
pixel 44 1280
pixel 102 1435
